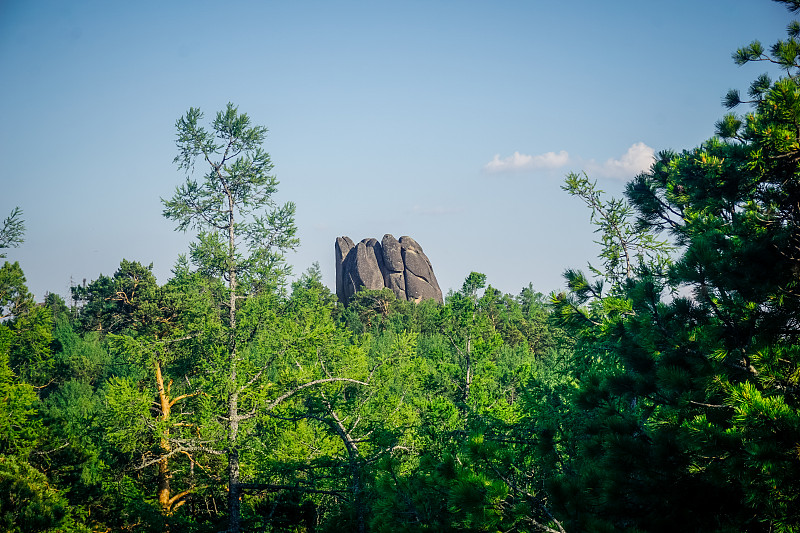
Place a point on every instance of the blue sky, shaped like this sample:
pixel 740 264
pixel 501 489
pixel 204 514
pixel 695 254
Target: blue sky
pixel 452 122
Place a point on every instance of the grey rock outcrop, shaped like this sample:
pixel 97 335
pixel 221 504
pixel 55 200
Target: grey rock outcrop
pixel 343 247
pixel 394 268
pixel 401 266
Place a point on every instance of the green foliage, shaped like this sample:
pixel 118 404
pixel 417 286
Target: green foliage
pixel 83 359
pixel 470 466
pixel 19 429
pixel 128 301
pixel 29 504
pixel 325 413
pixel 128 419
pixel 625 245
pixel 369 310
pixel 235 197
pixel 376 311
pixel 688 409
pixel 30 355
pixel 11 234
pixel 14 296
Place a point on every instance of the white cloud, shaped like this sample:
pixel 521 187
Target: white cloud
pixel 638 158
pixel 518 162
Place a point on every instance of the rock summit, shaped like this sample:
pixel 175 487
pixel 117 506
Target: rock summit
pixel 400 265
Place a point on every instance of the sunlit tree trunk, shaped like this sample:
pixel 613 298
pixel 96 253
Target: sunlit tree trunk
pixel 163 488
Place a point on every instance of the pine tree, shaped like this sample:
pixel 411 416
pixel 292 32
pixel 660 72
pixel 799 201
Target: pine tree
pixel 690 392
pixel 242 238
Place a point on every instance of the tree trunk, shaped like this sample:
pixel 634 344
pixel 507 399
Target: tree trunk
pixel 468 383
pixel 163 489
pixel 353 458
pixel 358 494
pixel 234 488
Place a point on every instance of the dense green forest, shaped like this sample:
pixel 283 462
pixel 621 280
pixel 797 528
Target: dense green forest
pixel 657 392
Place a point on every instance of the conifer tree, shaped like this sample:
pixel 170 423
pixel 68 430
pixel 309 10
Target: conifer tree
pixel 12 231
pixel 242 238
pixel 691 416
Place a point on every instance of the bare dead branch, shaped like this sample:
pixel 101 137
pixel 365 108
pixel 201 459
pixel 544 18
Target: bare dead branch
pixel 297 389
pixel 269 487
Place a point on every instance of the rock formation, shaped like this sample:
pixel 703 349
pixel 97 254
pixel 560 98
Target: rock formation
pixel 400 265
